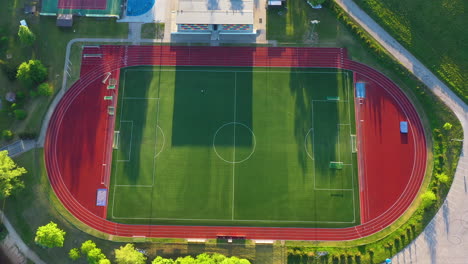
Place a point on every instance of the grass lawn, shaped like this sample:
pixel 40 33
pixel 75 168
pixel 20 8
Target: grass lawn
pixel 37 205
pixel 49 48
pixel 237 146
pixel 152 30
pixel 435 33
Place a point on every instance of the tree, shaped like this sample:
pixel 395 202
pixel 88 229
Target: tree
pixel 447 126
pixel 32 72
pixel 129 255
pixel 7 135
pixel 44 89
pixel 95 255
pixel 185 260
pixel 104 261
pixel 87 246
pixel 427 199
pixel 25 35
pixel 161 260
pixel 74 254
pixel 50 236
pixel 10 174
pixel 442 177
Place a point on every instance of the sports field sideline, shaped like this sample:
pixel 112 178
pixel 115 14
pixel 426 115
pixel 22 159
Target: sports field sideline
pixel 234 146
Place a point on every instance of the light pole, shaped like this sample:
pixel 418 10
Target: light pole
pixel 314 23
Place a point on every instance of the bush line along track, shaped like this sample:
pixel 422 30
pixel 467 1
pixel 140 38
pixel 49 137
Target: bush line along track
pixel 116 57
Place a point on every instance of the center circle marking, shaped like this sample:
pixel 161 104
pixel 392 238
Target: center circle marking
pixel 234 159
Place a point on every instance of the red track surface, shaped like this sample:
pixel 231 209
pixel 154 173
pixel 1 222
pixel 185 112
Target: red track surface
pixel 79 137
pixel 82 4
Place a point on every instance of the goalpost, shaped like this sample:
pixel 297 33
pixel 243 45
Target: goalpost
pixel 353 144
pixel 337 165
pixel 115 144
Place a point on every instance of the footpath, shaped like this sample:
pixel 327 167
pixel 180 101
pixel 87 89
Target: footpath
pixel 445 239
pixel 22 247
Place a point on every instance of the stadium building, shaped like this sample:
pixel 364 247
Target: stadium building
pixel 214 17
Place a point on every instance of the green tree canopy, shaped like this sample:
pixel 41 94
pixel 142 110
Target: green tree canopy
pixel 161 260
pixel 50 236
pixel 44 89
pixel 25 35
pixel 447 126
pixel 203 258
pixel 185 260
pixel 10 174
pixel 129 255
pixel 87 246
pixel 32 72
pixel 442 177
pixel 428 198
pixel 104 261
pixel 74 254
pixel 95 255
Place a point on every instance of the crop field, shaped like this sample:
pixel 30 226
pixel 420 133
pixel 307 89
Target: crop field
pixel 249 146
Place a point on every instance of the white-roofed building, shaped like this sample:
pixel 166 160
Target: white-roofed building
pixel 214 17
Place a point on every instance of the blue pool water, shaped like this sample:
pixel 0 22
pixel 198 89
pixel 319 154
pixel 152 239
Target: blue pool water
pixel 139 7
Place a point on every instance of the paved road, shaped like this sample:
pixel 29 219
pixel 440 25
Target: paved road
pixel 23 248
pixel 445 239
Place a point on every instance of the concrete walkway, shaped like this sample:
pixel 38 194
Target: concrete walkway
pixel 23 248
pixel 18 147
pixel 134 33
pixel 445 239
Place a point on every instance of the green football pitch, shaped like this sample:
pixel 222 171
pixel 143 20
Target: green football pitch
pixel 235 146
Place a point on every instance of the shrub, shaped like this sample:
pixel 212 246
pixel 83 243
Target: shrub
pixel 427 199
pixel 442 177
pixel 7 134
pixel 20 114
pixel 74 254
pixel 32 72
pixel 25 35
pixel 447 126
pixel 44 89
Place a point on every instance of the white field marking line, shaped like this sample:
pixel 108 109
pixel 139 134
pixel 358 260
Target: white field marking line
pixel 339 147
pixel 305 143
pixel 141 98
pixel 350 90
pixel 234 147
pixel 139 186
pixel 155 146
pixel 237 220
pixel 120 118
pixel 164 141
pixel 180 70
pixel 131 140
pixel 331 101
pixel 234 135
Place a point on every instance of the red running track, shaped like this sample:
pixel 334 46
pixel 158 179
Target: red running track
pixel 391 168
pixel 82 4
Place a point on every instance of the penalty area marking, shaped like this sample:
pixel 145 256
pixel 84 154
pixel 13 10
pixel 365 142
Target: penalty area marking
pixel 305 142
pixel 163 141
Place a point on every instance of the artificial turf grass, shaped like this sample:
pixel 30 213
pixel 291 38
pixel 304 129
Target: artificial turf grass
pixel 196 177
